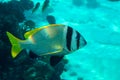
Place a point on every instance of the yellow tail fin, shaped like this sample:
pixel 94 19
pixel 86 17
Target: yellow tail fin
pixel 16 47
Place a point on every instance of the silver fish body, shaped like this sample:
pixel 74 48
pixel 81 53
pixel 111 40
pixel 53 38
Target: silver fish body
pixel 54 39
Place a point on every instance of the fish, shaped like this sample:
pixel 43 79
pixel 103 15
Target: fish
pixel 52 39
pixel 51 19
pixel 45 5
pixel 36 7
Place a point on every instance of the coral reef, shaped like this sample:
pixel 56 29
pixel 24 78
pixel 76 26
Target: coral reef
pixel 27 25
pixel 59 68
pixel 10 16
pixel 25 68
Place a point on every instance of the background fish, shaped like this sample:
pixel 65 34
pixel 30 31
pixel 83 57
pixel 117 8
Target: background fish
pixel 54 39
pixel 51 19
pixel 36 7
pixel 45 5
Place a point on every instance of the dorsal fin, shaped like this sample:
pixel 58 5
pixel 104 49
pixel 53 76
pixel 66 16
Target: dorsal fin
pixel 31 32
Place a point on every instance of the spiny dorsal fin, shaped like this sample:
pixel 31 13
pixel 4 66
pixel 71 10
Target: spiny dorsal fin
pixel 29 33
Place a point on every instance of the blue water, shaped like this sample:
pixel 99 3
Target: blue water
pixel 99 22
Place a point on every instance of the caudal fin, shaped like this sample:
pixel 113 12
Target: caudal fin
pixel 15 42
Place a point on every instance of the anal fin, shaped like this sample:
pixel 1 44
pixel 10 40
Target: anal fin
pixel 56 52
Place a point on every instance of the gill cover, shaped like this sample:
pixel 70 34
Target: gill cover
pixel 15 42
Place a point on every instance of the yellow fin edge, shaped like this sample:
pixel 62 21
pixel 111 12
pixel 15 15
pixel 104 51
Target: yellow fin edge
pixel 54 52
pixel 29 33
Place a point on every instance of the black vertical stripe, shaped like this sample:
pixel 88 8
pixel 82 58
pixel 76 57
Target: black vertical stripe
pixel 69 37
pixel 78 39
